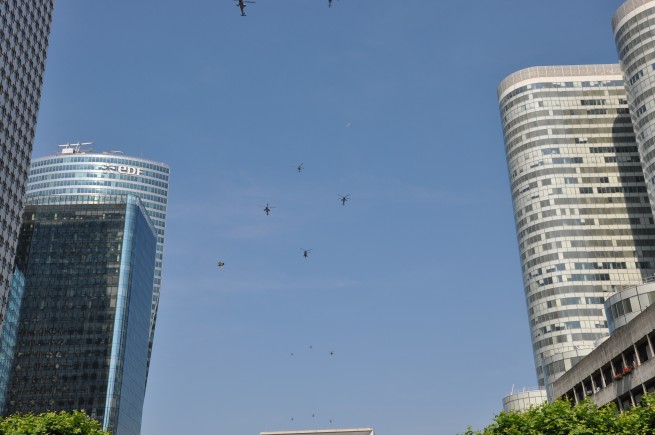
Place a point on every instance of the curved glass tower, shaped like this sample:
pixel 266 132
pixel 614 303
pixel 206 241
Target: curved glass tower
pixel 583 218
pixel 78 171
pixel 634 35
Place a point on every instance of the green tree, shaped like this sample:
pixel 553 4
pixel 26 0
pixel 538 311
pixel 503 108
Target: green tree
pixel 560 418
pixel 51 423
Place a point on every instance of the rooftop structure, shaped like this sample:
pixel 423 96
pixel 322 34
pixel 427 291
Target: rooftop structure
pixel 324 432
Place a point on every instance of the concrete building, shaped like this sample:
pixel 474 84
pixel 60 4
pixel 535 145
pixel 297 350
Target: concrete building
pixel 22 66
pixel 620 370
pixel 524 399
pixel 623 306
pixel 583 219
pixel 87 264
pixel 324 432
pixel 79 171
pixel 634 33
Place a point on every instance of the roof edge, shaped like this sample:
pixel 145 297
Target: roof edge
pixel 556 71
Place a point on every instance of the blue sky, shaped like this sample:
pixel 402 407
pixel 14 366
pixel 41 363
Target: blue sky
pixel 414 285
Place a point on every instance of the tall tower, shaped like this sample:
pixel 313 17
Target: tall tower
pixel 78 171
pixel 87 263
pixel 583 219
pixel 634 35
pixel 24 32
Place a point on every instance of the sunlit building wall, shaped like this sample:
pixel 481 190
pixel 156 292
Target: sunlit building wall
pixel 583 218
pixel 79 171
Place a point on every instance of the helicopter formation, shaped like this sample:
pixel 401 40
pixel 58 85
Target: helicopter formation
pixel 241 4
pixel 268 208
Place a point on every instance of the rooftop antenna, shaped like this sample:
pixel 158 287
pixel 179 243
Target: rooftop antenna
pixel 74 148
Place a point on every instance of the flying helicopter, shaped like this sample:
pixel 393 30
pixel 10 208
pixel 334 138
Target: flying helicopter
pixel 267 209
pixel 305 253
pixel 344 199
pixel 300 168
pixel 242 5
pixel 221 264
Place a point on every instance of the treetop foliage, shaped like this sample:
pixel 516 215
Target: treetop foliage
pixel 560 418
pixel 51 423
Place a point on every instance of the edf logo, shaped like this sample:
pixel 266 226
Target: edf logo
pixel 123 170
pixel 129 170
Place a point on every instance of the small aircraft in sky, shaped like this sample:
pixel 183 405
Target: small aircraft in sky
pixel 344 199
pixel 267 209
pixel 242 5
pixel 305 254
pixel 221 264
pixel 300 168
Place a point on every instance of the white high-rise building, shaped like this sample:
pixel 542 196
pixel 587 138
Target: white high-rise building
pixel 24 32
pixel 79 171
pixel 583 218
pixel 634 35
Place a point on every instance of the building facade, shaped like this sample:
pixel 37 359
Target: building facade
pixel 524 399
pixel 84 321
pixel 78 171
pixel 583 218
pixel 634 34
pixel 24 32
pixel 622 307
pixel 619 370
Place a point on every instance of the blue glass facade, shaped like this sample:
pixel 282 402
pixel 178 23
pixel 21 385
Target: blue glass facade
pixel 10 332
pixel 75 171
pixel 84 322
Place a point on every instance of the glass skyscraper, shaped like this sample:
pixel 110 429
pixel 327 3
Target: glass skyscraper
pixel 88 263
pixel 24 32
pixel 583 217
pixel 78 171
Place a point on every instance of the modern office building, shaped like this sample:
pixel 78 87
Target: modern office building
pixel 634 35
pixel 583 218
pixel 79 171
pixel 24 32
pixel 324 432
pixel 83 327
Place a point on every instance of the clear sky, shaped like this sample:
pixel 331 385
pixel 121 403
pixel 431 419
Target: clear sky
pixel 414 284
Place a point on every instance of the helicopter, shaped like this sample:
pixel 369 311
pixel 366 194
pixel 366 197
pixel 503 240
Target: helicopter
pixel 305 254
pixel 300 168
pixel 221 264
pixel 242 5
pixel 344 199
pixel 267 209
